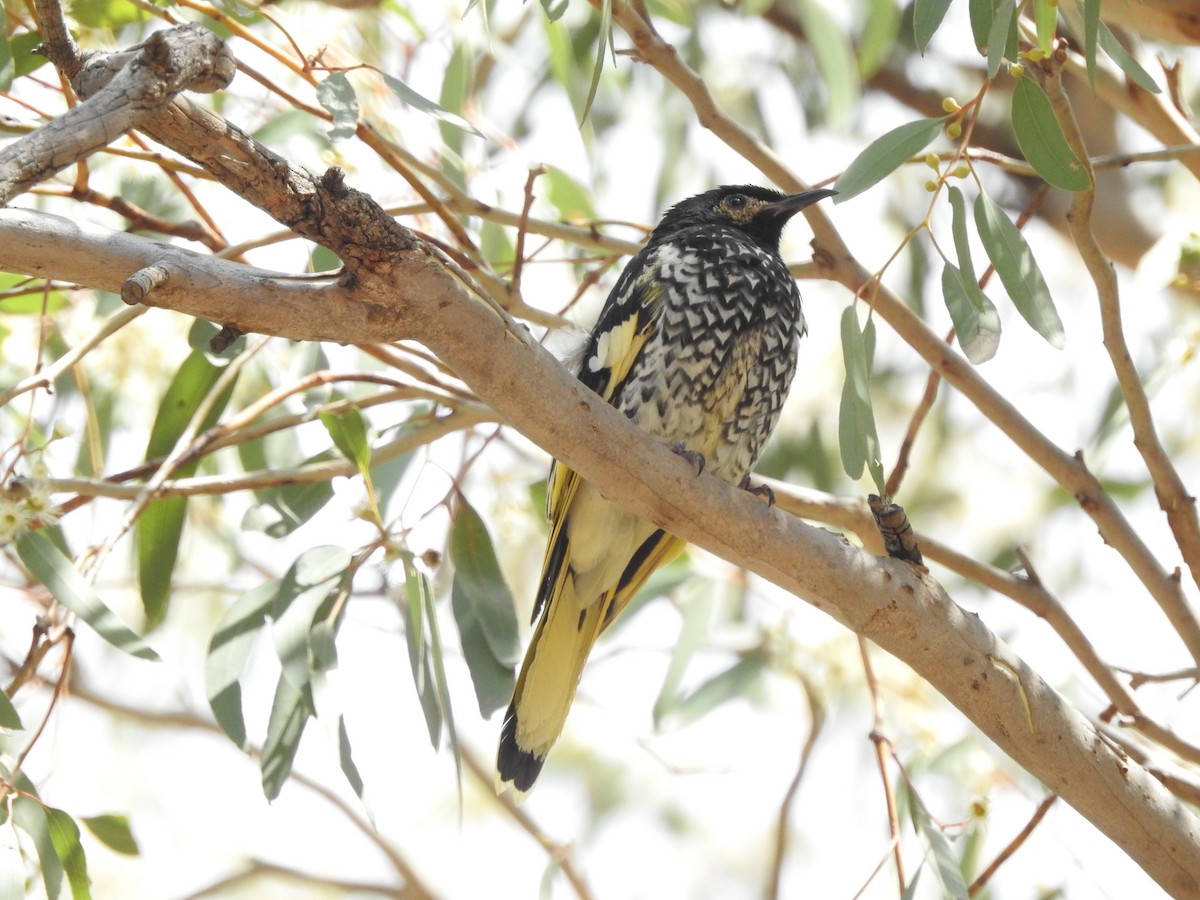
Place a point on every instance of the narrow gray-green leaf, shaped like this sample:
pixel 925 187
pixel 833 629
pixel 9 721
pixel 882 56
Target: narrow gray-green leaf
pixel 884 155
pixel 982 13
pixel 29 815
pixel 479 581
pixel 311 582
pixel 880 30
pixel 1041 139
pixel 1125 60
pixel 1045 17
pixel 945 863
pixel 349 432
pixel 998 35
pixel 50 567
pixel 696 620
pixel 424 104
pixel 927 17
pixel 1009 252
pixel 416 588
pixel 438 664
pixel 834 56
pixel 857 436
pixel 113 832
pixel 958 228
pixel 65 835
pixel 8 714
pixel 336 96
pixel 1091 37
pixel 603 39
pixel 977 326
pixel 227 654
pixel 732 683
pixel 160 527
pixel 290 712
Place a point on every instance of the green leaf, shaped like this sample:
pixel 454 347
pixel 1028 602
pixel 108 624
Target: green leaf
pixel 160 527
pixel 113 832
pixel 1042 141
pixel 227 654
pixel 857 437
pixel 29 815
pixel 884 155
pixel 554 8
pixel 416 590
pixel 927 17
pixel 310 584
pixel 425 105
pixel 290 712
pixel 281 510
pixel 1045 17
pixel 945 864
pixel 24 58
pixel 1091 37
pixel 1128 64
pixel 834 56
pixel 878 37
pixel 982 14
pixel 52 568
pixel 348 429
pixel 569 197
pixel 6 58
pixel 65 835
pixel 603 41
pixel 336 96
pixel 975 321
pixel 480 583
pixel 441 685
pixel 484 610
pixel 8 714
pixel 731 684
pixel 1018 270
pixel 697 616
pixel 1001 37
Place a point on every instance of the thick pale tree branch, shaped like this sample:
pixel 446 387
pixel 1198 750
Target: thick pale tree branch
pixel 837 263
pixel 407 291
pixel 121 89
pixel 892 603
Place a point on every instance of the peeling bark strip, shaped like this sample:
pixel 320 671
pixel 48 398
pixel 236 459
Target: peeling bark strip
pixel 119 90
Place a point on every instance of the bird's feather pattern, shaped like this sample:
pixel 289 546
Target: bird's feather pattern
pixel 696 344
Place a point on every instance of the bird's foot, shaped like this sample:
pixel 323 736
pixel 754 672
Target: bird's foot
pixel 758 490
pixel 696 459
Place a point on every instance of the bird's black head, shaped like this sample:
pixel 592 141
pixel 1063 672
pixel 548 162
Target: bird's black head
pixel 758 211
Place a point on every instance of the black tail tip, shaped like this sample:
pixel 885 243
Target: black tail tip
pixel 515 766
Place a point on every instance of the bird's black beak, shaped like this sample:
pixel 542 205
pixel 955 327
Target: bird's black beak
pixel 782 210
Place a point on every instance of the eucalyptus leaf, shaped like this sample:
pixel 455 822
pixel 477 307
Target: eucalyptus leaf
pixel 1013 259
pixel 1041 139
pixel 884 155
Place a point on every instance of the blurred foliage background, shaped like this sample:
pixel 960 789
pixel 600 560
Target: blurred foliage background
pixel 331 583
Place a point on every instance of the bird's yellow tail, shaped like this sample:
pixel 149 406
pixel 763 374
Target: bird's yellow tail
pixel 546 686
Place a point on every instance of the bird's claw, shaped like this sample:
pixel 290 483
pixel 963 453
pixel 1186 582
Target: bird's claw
pixel 758 490
pixel 696 459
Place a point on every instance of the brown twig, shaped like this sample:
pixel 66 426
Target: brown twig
pixel 1013 846
pixel 883 752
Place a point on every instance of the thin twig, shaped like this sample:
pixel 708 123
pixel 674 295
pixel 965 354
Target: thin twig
pixel 1013 846
pixel 882 753
pixel 1173 496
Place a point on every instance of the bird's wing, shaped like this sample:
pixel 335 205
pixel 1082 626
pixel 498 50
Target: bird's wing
pixel 628 320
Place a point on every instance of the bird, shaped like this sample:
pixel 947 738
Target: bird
pixel 697 344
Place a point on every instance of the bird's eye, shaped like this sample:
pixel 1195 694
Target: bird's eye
pixel 735 201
